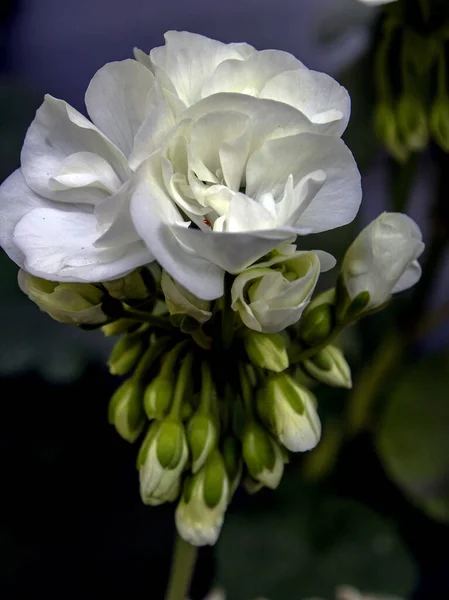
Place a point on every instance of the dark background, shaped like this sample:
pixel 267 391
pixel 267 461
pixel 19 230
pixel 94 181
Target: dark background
pixel 72 523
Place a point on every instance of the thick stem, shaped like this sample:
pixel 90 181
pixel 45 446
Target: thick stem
pixel 182 568
pixel 144 317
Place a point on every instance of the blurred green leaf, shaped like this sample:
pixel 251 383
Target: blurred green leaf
pixel 307 543
pixel 413 435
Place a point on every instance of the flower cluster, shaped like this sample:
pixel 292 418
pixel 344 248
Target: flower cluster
pixel 170 219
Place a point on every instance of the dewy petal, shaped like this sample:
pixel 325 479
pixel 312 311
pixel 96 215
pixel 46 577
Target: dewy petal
pixel 233 252
pixel 154 215
pixel 116 101
pixel 16 200
pixel 338 200
pixel 187 61
pixel 59 245
pixel 322 99
pixel 249 76
pixel 57 132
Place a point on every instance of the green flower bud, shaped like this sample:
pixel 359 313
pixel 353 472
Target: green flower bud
pixel 202 435
pixel 413 122
pixel 330 366
pixel 129 287
pixel 180 301
pixel 266 350
pixel 158 397
pixel 289 410
pixel 386 128
pixel 72 303
pixel 316 324
pixel 126 354
pixel 125 410
pixel 262 456
pixel 251 485
pixel 161 461
pixel 200 512
pixel 118 327
pixel 233 462
pixel 439 122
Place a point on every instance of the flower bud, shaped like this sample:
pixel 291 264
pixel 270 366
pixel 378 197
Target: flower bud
pixel 119 327
pixel 262 456
pixel 161 461
pixel 202 435
pixel 412 122
pixel 129 287
pixel 200 512
pixel 289 409
pixel 125 410
pixel 386 128
pixel 330 366
pixel 273 294
pixel 72 303
pixel 233 462
pixel 381 261
pixel 126 354
pixel 266 350
pixel 439 122
pixel 180 301
pixel 317 321
pixel 158 396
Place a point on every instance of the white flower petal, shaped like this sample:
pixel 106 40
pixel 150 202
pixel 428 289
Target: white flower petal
pixel 57 132
pixel 154 215
pixel 322 99
pixel 116 101
pixel 154 129
pixel 233 252
pixel 249 76
pixel 16 200
pixel 59 245
pixel 187 61
pixel 411 276
pixel 338 200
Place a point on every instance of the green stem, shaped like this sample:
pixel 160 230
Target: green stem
pixel 309 352
pixel 227 316
pixel 183 565
pixel 145 317
pixel 181 386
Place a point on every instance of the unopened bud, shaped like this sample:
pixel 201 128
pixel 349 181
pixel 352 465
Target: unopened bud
pixel 125 410
pixel 202 435
pixel 233 462
pixel 126 354
pixel 200 512
pixel 266 350
pixel 262 456
pixel 330 366
pixel 439 122
pixel 158 396
pixel 316 324
pixel 289 410
pixel 129 287
pixel 72 303
pixel 413 123
pixel 119 327
pixel 180 301
pixel 161 461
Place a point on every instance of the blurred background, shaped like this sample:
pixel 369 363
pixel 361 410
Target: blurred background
pixel 370 506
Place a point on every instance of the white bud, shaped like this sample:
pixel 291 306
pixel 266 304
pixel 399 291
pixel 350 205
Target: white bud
pixel 290 411
pixel 200 512
pixel 330 366
pixel 382 259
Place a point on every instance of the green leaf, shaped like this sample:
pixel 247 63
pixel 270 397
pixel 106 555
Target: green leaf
pixel 413 435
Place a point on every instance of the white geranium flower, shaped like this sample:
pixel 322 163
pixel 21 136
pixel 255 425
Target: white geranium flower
pixel 382 260
pixel 184 163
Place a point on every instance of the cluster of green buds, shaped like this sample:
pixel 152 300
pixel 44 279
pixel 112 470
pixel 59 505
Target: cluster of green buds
pixel 217 394
pixel 411 78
